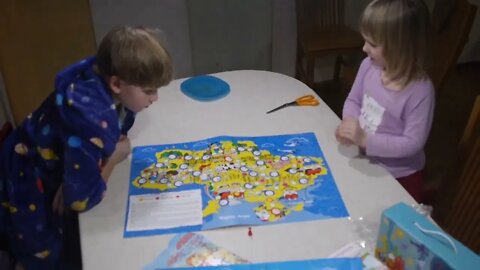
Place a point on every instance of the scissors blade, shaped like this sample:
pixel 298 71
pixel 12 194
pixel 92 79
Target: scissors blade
pixel 278 108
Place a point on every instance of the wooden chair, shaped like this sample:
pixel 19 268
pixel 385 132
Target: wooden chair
pixel 457 205
pixel 452 21
pixel 321 31
pixel 472 129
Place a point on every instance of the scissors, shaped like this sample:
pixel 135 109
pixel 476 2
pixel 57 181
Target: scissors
pixel 308 100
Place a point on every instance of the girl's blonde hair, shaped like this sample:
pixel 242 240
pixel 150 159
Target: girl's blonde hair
pixel 402 28
pixel 136 55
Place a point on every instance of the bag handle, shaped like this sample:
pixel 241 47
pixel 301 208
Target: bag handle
pixel 441 234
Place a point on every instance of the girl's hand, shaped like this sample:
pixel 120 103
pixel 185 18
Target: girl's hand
pixel 122 150
pixel 350 130
pixel 339 138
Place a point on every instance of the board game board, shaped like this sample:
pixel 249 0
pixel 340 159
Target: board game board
pixel 227 181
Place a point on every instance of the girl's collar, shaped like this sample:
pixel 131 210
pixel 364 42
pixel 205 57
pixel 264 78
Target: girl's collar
pixel 393 85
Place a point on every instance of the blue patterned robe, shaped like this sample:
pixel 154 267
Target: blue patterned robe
pixel 65 141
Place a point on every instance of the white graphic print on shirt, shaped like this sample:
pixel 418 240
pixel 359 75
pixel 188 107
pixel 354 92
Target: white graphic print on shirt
pixel 370 115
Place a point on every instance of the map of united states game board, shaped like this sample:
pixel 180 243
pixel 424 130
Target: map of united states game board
pixel 229 181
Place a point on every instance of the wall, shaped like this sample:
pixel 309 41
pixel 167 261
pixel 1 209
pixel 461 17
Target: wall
pixel 172 16
pixel 202 43
pixel 471 51
pixel 230 34
pixel 168 15
pixel 39 38
pixel 284 31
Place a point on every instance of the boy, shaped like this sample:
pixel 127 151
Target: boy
pixel 63 153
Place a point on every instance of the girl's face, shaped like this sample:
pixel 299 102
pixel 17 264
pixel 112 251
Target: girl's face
pixel 374 51
pixel 134 98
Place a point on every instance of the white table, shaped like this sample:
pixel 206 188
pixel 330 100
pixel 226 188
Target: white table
pixel 367 189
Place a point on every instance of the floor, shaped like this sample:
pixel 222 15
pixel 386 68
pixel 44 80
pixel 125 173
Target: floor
pixel 453 106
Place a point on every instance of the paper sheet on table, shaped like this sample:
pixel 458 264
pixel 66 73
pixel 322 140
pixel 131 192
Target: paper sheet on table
pixel 165 210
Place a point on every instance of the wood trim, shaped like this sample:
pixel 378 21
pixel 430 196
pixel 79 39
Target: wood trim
pixel 37 39
pixel 457 208
pixel 472 129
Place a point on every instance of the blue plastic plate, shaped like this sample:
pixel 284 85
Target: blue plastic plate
pixel 205 88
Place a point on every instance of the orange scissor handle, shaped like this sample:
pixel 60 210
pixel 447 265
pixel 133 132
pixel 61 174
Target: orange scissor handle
pixel 308 100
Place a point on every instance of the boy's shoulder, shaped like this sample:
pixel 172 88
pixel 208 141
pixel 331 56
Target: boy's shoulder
pixel 80 82
pixel 71 73
pixel 83 98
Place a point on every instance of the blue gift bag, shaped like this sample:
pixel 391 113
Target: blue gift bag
pixel 408 240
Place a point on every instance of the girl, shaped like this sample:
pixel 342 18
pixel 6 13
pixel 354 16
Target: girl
pixel 389 110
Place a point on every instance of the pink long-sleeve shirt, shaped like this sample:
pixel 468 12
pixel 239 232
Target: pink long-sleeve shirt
pixel 397 122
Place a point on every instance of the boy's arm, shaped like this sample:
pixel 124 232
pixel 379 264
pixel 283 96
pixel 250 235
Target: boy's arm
pixel 83 185
pixel 353 103
pixel 86 173
pixel 418 123
pixel 122 150
pixel 75 200
pixel 107 170
pixel 89 125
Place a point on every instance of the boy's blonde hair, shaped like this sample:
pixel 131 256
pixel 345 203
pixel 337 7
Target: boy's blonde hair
pixel 402 28
pixel 136 55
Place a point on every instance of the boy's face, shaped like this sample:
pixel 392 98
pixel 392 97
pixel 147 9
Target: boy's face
pixel 134 98
pixel 374 51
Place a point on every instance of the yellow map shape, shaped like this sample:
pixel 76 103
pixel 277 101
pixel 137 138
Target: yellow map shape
pixel 236 171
